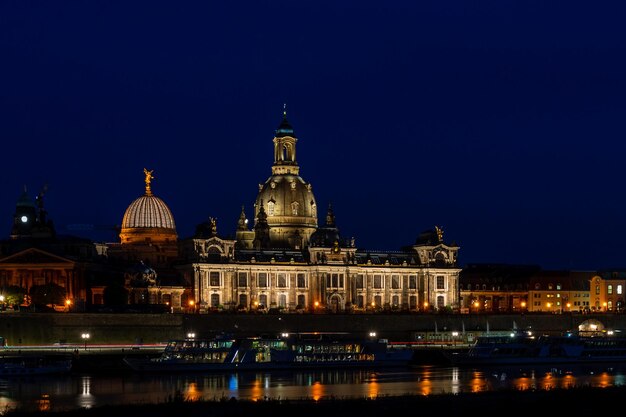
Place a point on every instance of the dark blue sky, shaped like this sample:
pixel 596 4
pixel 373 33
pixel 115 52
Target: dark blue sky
pixel 502 121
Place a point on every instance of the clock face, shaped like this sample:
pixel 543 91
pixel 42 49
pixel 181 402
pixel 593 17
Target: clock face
pixel 24 219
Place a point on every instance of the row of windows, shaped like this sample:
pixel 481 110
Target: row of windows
pixel 395 283
pixel 332 281
pixel 262 301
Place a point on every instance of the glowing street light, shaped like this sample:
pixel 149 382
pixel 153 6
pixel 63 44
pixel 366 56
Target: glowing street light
pixel 85 337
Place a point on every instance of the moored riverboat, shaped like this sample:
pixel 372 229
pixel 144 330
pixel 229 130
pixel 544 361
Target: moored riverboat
pixel 524 348
pixel 299 351
pixel 16 366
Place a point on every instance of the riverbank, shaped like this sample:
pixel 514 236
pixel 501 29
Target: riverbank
pixel 576 400
pixel 23 329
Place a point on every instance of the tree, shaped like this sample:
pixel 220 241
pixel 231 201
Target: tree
pixel 47 294
pixel 115 295
pixel 13 294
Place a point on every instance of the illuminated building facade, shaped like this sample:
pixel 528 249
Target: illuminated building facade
pixel 288 262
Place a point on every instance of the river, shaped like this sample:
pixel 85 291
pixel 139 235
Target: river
pixel 78 391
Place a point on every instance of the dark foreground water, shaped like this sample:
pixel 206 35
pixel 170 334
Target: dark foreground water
pixel 77 391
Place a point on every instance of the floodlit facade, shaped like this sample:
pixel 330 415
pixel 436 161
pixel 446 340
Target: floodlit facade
pixel 286 261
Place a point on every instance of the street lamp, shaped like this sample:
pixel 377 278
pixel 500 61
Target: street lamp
pixel 85 337
pixel 68 303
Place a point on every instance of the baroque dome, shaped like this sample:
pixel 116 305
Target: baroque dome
pixel 148 218
pixel 287 199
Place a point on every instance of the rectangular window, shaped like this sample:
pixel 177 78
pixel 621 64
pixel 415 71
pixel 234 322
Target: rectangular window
pixel 395 282
pixel 301 300
pixel 359 282
pixel 412 282
pixel 242 280
pixel 263 299
pixel 378 281
pixel 214 279
pixel 243 300
pixel 263 279
pixel 620 289
pixel 609 289
pixel 441 283
pixel 281 281
pixel 413 302
pixel 395 301
pixel 301 281
pixel 360 301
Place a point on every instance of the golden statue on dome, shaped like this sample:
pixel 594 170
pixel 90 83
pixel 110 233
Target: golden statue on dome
pixel 149 178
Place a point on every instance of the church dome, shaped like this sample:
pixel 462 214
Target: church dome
pixel 148 218
pixel 148 211
pixel 287 199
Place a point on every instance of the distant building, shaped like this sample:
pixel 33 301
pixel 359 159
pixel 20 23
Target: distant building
pixel 560 291
pixel 495 287
pixel 34 256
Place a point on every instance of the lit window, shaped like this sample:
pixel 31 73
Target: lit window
pixel 378 281
pixel 281 281
pixel 270 208
pixel 294 208
pixel 441 283
pixel 214 279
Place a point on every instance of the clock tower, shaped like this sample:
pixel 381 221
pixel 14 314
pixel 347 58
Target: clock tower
pixel 24 218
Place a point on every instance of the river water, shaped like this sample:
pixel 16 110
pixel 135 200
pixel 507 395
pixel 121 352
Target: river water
pixel 77 391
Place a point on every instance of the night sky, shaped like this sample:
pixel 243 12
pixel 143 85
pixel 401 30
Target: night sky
pixel 501 121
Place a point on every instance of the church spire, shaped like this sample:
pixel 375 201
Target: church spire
pixel 330 216
pixel 242 223
pixel 285 148
pixel 261 229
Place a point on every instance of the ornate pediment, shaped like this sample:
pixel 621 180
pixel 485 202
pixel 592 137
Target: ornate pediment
pixel 34 256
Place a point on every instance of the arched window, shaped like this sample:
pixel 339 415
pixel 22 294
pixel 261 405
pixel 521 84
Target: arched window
pixel 294 208
pixel 270 207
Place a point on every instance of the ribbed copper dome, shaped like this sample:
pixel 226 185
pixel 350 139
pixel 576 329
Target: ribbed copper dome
pixel 148 211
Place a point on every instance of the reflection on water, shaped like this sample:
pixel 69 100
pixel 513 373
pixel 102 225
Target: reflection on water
pixel 85 391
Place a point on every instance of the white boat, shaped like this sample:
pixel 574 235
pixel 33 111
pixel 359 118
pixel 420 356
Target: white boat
pixel 300 351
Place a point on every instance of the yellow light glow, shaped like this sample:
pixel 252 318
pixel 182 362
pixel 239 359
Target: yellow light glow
pixel 68 302
pixel 191 303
